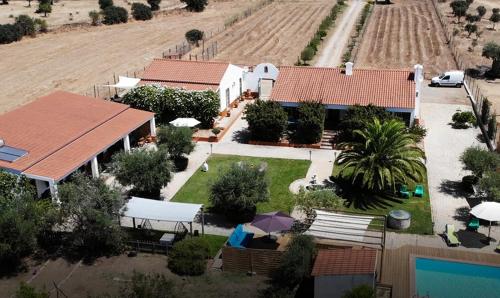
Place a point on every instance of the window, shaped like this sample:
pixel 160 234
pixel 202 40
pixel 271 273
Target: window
pixel 266 70
pixel 446 78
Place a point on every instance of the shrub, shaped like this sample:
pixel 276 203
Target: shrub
pixel 267 120
pixel 44 8
pixel 362 291
pixel 470 28
pixel 418 131
pixel 492 128
pixel 27 291
pixel 317 199
pixel 296 263
pixel 491 50
pixel 95 17
pixel 171 103
pixel 481 11
pixel 485 111
pixel 26 25
pixel 9 33
pixel 103 4
pixel 195 5
pixel 177 140
pixel 193 36
pixel 189 256
pixel 237 191
pixel 41 25
pixel 307 54
pixel 147 286
pixel 146 170
pixel 311 122
pixel 479 160
pixel 115 15
pixel 463 119
pixel 141 12
pixel 490 185
pixel 155 4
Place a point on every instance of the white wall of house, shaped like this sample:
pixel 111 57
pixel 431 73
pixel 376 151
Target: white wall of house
pixel 230 81
pixel 260 71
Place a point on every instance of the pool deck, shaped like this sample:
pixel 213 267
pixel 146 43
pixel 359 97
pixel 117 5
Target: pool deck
pixel 396 267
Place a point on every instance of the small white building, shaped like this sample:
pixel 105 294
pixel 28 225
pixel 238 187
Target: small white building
pixel 260 79
pixel 224 78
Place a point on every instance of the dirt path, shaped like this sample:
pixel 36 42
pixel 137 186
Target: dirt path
pixel 331 55
pixel 76 60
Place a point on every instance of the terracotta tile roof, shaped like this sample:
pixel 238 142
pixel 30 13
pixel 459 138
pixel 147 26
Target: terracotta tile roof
pixel 188 86
pixel 51 125
pixel 385 88
pixel 182 71
pixel 344 262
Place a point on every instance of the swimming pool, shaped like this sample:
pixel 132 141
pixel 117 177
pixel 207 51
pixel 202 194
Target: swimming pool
pixel 440 278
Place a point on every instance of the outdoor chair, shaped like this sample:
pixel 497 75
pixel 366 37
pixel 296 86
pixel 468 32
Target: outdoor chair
pixel 240 238
pixel 473 224
pixel 451 236
pixel 419 191
pixel 403 191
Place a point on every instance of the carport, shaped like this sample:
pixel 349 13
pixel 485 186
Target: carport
pixel 148 209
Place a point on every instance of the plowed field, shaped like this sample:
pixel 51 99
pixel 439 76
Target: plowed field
pixel 277 33
pixel 403 34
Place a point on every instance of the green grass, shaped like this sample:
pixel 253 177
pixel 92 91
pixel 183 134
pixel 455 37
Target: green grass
pixel 215 242
pixel 419 208
pixel 280 172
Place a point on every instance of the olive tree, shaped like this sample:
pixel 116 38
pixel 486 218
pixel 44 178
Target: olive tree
pixel 492 51
pixel 479 160
pixel 459 8
pixel 155 4
pixel 193 36
pixel 195 5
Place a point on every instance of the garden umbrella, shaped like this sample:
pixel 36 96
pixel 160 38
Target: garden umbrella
pixel 189 122
pixel 489 211
pixel 273 221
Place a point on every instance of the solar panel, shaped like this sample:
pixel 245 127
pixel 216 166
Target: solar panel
pixel 8 157
pixel 10 154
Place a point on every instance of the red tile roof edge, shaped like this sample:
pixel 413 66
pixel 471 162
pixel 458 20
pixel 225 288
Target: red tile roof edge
pixel 345 261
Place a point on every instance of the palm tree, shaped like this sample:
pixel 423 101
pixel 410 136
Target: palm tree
pixel 383 155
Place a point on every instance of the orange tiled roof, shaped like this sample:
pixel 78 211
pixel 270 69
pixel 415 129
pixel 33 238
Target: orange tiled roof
pixel 384 88
pixel 182 71
pixel 344 262
pixel 62 130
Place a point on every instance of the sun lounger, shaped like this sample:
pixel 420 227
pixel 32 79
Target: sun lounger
pixel 403 191
pixel 473 224
pixel 451 236
pixel 498 247
pixel 419 191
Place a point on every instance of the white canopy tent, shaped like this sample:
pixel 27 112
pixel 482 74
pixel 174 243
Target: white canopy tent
pixel 345 228
pixel 188 122
pixel 125 83
pixel 163 211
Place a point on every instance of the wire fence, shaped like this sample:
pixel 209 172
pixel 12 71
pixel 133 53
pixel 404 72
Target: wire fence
pixel 473 89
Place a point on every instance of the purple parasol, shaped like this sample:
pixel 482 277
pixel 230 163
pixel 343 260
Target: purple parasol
pixel 273 221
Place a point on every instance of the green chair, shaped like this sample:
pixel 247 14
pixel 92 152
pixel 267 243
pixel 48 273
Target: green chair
pixel 419 191
pixel 498 248
pixel 473 224
pixel 451 236
pixel 403 191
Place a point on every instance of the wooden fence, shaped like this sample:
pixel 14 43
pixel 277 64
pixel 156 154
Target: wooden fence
pixel 260 261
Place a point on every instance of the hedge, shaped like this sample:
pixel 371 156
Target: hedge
pixel 267 120
pixel 311 122
pixel 171 103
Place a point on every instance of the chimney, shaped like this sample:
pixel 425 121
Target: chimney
pixel 2 142
pixel 348 68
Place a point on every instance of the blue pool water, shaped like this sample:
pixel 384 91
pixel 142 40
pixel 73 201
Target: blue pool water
pixel 443 279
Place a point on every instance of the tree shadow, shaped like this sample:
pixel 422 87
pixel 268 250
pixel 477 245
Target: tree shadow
pixel 218 220
pixel 480 138
pixel 462 214
pixel 241 136
pixel 453 188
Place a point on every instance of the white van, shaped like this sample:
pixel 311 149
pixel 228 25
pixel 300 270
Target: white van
pixel 449 78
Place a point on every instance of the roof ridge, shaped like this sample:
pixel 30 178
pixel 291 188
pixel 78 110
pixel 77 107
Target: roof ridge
pixel 181 82
pixel 354 68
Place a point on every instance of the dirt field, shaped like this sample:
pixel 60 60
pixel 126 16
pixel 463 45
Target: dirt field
pixel 472 55
pixel 107 276
pixel 66 11
pixel 76 60
pixel 403 34
pixel 277 33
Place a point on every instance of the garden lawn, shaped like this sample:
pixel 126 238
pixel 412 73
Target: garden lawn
pixel 280 173
pixel 419 208
pixel 215 242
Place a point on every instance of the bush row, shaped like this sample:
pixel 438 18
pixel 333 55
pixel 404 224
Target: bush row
pixel 352 43
pixel 23 26
pixel 171 103
pixel 312 47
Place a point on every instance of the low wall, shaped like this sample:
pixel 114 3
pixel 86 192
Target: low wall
pixel 260 261
pixel 285 144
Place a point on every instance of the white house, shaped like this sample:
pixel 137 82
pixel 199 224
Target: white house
pixel 260 79
pixel 223 78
